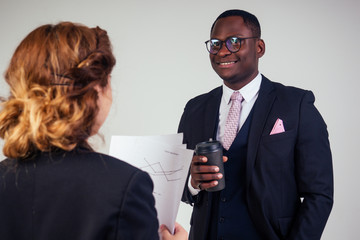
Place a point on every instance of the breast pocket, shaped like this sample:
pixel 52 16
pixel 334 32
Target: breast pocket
pixel 277 149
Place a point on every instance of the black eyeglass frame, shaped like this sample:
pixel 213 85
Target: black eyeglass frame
pixel 222 43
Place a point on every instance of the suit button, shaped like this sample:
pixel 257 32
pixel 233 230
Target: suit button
pixel 221 220
pixel 223 199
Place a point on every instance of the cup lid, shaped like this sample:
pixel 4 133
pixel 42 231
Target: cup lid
pixel 208 146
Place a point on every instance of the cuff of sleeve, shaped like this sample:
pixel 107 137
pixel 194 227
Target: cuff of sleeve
pixel 192 190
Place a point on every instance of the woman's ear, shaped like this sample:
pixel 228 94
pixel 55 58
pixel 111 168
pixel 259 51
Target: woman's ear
pixel 98 88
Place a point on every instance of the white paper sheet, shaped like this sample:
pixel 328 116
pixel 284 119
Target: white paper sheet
pixel 166 160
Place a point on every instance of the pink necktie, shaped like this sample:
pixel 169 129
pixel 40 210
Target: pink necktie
pixel 232 121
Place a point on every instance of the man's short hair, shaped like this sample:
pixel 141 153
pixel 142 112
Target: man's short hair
pixel 250 20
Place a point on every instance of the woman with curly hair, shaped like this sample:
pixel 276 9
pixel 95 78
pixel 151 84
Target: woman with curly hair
pixel 53 185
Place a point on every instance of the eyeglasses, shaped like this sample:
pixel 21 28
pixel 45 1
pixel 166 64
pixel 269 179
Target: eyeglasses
pixel 233 44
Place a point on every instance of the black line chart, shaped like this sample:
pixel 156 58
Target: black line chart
pixel 157 170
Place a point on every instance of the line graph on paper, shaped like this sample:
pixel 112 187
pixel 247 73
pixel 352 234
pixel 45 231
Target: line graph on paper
pixel 157 170
pixel 167 162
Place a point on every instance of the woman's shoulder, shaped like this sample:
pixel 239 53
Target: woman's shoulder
pixel 97 158
pixel 110 161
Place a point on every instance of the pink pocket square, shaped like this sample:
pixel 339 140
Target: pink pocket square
pixel 278 127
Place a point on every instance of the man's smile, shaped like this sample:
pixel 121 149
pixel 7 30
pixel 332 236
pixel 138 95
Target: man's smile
pixel 226 64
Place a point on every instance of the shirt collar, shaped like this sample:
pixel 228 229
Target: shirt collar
pixel 249 91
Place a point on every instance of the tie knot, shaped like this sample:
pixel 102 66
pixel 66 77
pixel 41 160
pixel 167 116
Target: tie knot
pixel 236 96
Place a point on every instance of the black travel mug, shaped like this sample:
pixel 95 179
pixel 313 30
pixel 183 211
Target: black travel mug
pixel 213 151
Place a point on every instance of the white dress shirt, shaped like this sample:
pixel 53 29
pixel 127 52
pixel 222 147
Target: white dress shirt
pixel 250 93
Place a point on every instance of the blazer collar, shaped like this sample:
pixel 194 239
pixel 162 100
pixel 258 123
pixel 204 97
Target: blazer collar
pixel 212 113
pixel 261 109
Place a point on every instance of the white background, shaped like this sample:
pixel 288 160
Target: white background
pixel 162 63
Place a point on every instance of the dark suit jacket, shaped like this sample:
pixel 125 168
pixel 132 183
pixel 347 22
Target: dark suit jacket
pixel 75 195
pixel 280 168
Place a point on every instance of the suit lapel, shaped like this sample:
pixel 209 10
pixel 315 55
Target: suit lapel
pixel 211 120
pixel 262 108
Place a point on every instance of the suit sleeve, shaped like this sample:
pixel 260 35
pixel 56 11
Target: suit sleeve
pixel 314 173
pixel 138 218
pixel 187 197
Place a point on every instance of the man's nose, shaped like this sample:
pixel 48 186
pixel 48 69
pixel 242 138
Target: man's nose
pixel 224 51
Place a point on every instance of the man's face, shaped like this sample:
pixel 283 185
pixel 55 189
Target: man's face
pixel 239 68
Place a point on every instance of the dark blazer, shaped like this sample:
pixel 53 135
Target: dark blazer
pixel 281 169
pixel 75 195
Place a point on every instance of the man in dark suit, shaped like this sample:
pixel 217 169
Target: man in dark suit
pixel 278 173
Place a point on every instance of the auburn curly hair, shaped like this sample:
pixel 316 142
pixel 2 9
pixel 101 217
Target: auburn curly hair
pixel 52 102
